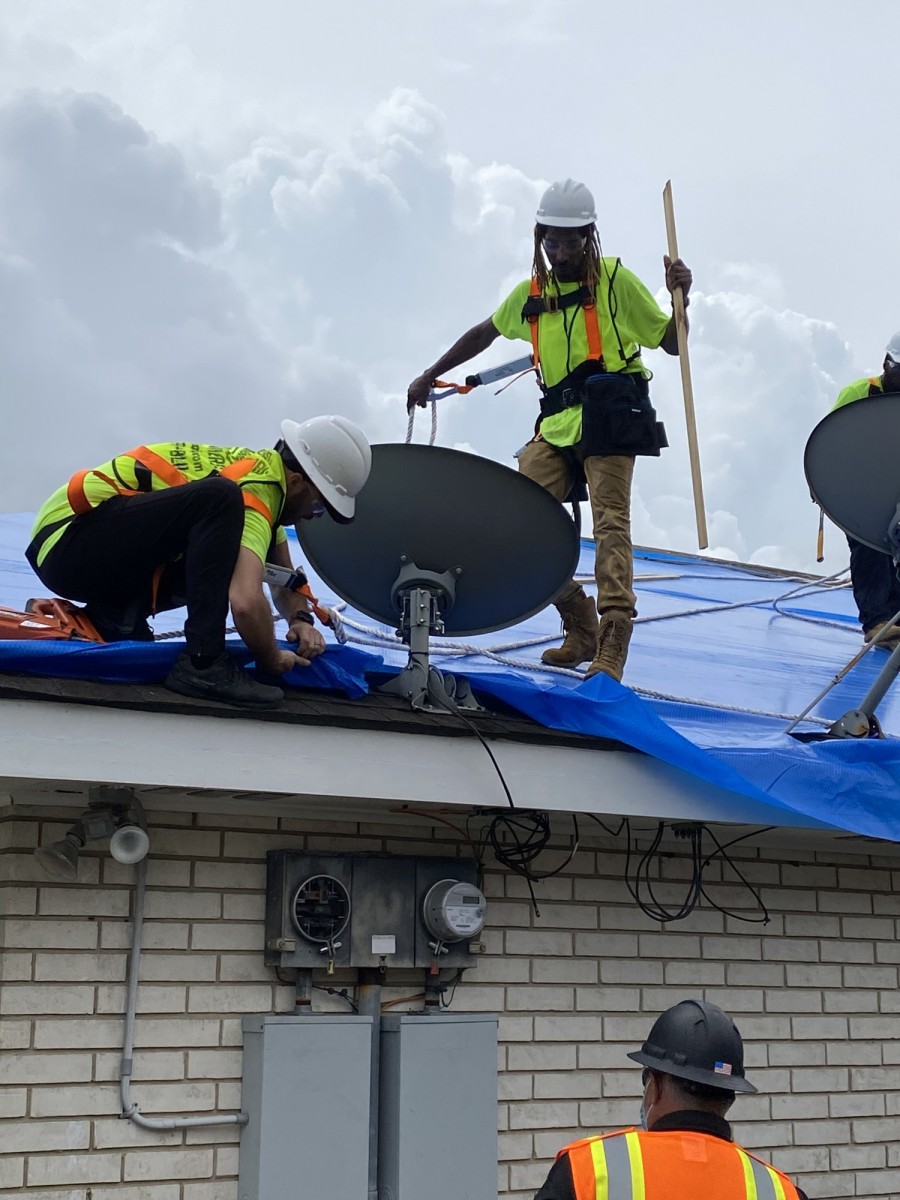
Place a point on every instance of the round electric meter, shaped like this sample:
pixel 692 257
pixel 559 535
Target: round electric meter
pixel 453 911
pixel 320 908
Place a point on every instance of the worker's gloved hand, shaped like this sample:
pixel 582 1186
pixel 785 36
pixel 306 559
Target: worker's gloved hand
pixel 418 392
pixel 308 643
pixel 677 275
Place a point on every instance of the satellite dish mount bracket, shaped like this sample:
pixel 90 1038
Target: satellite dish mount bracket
pixel 422 597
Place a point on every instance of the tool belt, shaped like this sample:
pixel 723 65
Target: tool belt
pixel 616 414
pixel 618 418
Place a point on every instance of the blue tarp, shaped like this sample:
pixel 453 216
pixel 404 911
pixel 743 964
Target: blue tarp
pixel 722 658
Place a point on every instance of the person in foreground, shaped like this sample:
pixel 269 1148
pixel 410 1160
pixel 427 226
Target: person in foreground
pixel 876 588
pixel 693 1064
pixel 586 317
pixel 179 523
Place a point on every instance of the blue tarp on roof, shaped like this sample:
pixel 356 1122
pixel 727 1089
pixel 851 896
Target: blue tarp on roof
pixel 722 658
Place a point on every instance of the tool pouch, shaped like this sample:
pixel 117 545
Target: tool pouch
pixel 618 418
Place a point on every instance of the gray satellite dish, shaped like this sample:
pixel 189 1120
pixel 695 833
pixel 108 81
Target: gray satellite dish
pixel 444 543
pixel 852 464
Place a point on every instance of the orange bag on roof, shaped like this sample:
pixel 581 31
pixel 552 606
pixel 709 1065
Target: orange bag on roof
pixel 47 620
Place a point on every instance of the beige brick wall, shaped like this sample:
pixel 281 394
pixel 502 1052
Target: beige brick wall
pixel 814 993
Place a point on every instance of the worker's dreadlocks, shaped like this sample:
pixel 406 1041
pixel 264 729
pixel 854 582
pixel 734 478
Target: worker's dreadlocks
pixel 592 255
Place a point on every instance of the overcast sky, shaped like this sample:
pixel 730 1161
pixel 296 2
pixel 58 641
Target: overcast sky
pixel 214 214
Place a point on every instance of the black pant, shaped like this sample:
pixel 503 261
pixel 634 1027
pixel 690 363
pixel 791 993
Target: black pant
pixel 107 559
pixel 876 588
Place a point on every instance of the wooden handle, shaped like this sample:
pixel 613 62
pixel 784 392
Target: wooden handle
pixel 686 385
pixel 820 540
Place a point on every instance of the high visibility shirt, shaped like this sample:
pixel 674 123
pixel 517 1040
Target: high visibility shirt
pixel 859 390
pixel 625 308
pixel 264 486
pixel 636 1164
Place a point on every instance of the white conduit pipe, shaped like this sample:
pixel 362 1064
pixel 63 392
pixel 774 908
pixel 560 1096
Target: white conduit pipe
pixel 130 1110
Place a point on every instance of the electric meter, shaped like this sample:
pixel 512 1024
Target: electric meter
pixel 453 911
pixel 321 909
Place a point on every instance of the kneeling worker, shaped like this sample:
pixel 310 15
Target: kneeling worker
pixel 586 317
pixel 693 1064
pixel 179 523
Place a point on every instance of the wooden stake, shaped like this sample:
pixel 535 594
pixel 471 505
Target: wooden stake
pixel 686 385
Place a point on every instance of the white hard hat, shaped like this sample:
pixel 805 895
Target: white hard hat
pixel 336 456
pixel 566 205
pixel 893 348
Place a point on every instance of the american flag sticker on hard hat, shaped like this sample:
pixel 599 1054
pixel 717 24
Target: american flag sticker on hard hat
pixel 722 1068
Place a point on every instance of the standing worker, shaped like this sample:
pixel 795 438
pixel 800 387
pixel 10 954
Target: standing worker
pixel 178 523
pixel 586 317
pixel 876 588
pixel 693 1065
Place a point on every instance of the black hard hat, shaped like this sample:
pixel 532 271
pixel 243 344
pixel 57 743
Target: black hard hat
pixel 697 1041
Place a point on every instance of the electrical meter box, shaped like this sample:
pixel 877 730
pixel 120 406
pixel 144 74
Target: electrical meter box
pixel 369 910
pixel 438 1107
pixel 306 1091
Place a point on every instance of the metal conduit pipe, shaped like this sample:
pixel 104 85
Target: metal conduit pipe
pixel 130 1109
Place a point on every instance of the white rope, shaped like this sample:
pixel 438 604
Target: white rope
pixel 412 419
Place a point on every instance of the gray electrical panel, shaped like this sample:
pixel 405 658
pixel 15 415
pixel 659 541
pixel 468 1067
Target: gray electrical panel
pixel 438 1107
pixel 306 1090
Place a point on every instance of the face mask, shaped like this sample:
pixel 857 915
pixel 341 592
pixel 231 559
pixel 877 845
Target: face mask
pixel 643 1116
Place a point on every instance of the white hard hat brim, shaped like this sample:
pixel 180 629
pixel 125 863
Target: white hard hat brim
pixel 564 222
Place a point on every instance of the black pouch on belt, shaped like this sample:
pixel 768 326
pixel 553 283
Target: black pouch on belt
pixel 618 418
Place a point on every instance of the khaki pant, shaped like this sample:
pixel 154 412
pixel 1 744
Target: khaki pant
pixel 609 489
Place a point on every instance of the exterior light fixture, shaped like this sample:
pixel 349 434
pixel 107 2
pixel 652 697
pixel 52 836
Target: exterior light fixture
pixel 113 812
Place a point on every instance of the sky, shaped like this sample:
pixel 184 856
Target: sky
pixel 214 215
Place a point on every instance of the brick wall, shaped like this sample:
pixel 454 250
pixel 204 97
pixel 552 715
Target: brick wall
pixel 814 993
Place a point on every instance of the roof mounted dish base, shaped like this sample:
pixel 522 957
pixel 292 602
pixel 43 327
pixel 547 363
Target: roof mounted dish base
pixel 422 597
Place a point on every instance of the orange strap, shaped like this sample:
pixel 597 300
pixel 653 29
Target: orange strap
pixel 168 473
pixel 591 328
pixel 77 498
pixel 160 466
pixel 462 388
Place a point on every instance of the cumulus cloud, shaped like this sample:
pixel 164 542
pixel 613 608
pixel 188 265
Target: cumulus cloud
pixel 153 301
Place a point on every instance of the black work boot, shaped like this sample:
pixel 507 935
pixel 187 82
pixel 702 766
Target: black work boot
pixel 222 680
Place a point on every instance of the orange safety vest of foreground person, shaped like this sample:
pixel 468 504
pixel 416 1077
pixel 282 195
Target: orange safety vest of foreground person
pixel 637 1164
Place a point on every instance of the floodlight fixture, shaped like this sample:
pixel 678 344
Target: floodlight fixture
pixel 60 859
pixel 129 842
pixel 113 812
pixel 444 543
pixel 853 471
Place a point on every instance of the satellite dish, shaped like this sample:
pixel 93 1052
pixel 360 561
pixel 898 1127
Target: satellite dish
pixel 444 543
pixel 852 465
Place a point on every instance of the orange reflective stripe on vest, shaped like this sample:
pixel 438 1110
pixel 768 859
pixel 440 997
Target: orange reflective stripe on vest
pixel 591 329
pixel 672 1165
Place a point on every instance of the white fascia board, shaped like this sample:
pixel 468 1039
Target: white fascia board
pixel 81 744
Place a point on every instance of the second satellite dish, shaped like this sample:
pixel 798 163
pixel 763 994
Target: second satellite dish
pixel 852 464
pixel 509 546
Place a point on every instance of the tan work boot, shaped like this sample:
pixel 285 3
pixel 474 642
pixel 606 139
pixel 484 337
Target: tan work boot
pixel 612 645
pixel 579 616
pixel 890 641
